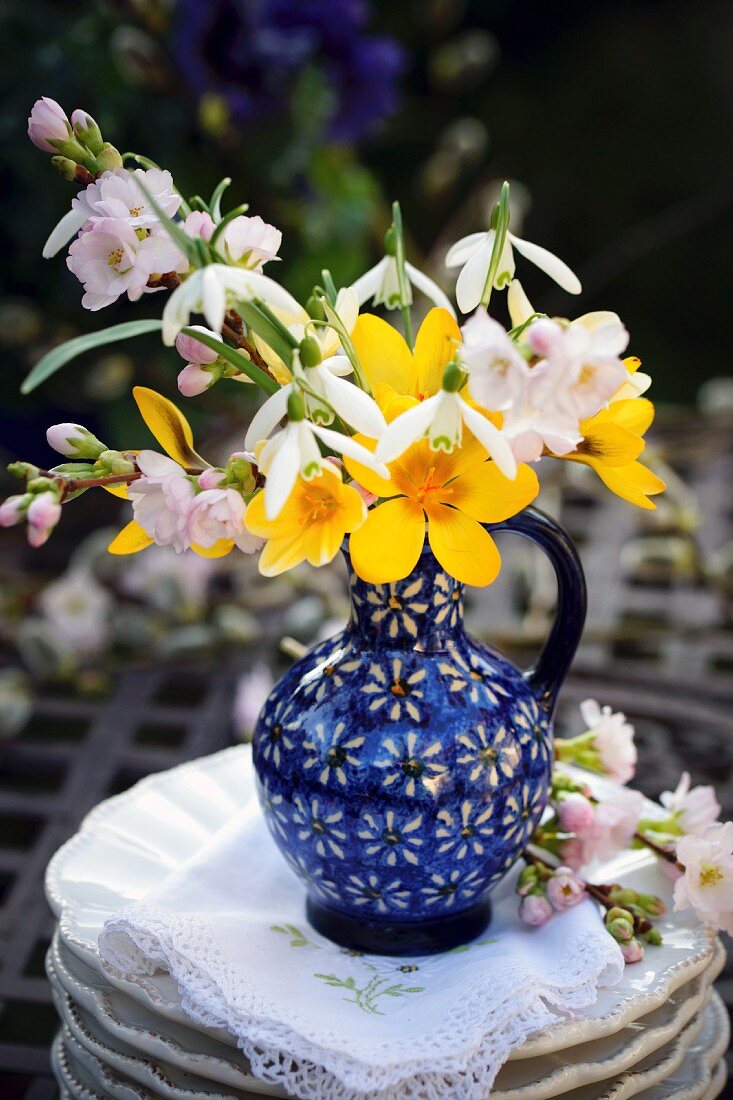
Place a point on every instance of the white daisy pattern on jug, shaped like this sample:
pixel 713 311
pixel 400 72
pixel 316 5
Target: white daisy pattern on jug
pixel 378 894
pixel 276 738
pixel 329 753
pixel 530 729
pixel 384 835
pixel 330 675
pixel 398 607
pixel 274 804
pixel 395 690
pixel 496 756
pixel 522 811
pixel 445 890
pixel 319 826
pixel 314 876
pixel 467 831
pixel 446 601
pixel 466 678
pixel 408 764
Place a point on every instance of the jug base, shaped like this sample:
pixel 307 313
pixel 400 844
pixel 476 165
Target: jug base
pixel 391 937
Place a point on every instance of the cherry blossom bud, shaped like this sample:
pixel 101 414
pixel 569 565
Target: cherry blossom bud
pixel 108 159
pixel 194 380
pixel 193 350
pixel 632 952
pixel 575 813
pixel 542 335
pixel 528 879
pixel 199 223
pixel 211 479
pixel 87 131
pixel 13 509
pixel 535 910
pixel 44 510
pixel 74 441
pixel 48 122
pixel 620 924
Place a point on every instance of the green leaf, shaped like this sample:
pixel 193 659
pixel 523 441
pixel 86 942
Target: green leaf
pixel 188 245
pixel 58 357
pixel 240 361
pixel 256 320
pixel 215 201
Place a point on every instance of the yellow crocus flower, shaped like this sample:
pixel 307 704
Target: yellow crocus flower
pixel 312 524
pixel 392 369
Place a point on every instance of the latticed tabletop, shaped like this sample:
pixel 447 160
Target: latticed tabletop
pixel 658 645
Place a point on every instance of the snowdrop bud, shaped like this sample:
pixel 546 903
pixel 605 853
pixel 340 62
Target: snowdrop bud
pixel 44 510
pixel 390 242
pixel 211 479
pixel 310 352
pixel 575 813
pixel 87 131
pixel 453 377
pixel 48 123
pixel 74 441
pixel 13 509
pixel 542 335
pixel 535 910
pixel 296 406
pixel 632 952
pixel 194 380
pixel 314 308
pixel 193 350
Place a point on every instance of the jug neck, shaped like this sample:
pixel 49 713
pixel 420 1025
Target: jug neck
pixel 422 611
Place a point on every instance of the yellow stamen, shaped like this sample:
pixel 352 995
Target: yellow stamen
pixel 710 874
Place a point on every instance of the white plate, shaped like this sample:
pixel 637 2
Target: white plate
pixel 533 1079
pixel 685 1069
pixel 127 843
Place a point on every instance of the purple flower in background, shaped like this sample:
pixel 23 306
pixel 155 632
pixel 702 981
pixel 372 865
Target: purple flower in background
pixel 252 52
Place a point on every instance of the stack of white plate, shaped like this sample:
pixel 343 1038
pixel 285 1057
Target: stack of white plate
pixel 660 1035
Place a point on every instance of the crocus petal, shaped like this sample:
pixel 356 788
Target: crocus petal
pixel 282 472
pixel 472 279
pixel 67 228
pixel 462 546
pixel 459 253
pixel 169 426
pixel 548 262
pixel 130 540
pixel 383 352
pixel 356 408
pixel 634 483
pixel 387 546
pixel 406 429
pixel 485 494
pixel 436 343
pixel 429 288
pixel 267 417
pixel 519 306
pixel 366 285
pixel 491 438
pixel 282 554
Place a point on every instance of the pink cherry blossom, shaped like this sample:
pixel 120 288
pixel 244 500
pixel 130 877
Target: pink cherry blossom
pixel 535 910
pixel 48 122
pixel 707 884
pixel 109 259
pixel 575 813
pixel 192 350
pixel 695 808
pixel 117 194
pixel 564 889
pixel 615 822
pixel 219 514
pixel 613 739
pixel 13 510
pixel 162 500
pixel 583 368
pixel 211 478
pixel 542 336
pixel 251 242
pixel 498 375
pixel 572 852
pixel 534 423
pixel 44 512
pixel 199 223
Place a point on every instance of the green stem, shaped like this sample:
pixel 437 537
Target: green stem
pixel 500 229
pixel 402 281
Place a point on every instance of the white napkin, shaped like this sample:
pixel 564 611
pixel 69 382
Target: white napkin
pixel 230 928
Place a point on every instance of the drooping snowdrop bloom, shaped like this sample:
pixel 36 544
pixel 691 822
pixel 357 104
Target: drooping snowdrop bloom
pixel 442 418
pixel 694 809
pixel 294 450
pixel 346 309
pixel 213 289
pixel 219 514
pixel 47 122
pixel 497 373
pixel 334 397
pixel 707 884
pixel 473 255
pixel 251 242
pixel 117 194
pixel 612 739
pixel 109 259
pixel 381 285
pixel 581 366
pixel 162 500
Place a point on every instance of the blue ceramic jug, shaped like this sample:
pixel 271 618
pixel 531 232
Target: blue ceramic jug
pixel 403 766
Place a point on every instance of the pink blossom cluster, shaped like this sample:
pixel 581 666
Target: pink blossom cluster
pixel 544 895
pixel 41 511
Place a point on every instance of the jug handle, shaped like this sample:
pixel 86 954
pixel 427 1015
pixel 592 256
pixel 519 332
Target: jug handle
pixel 547 675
